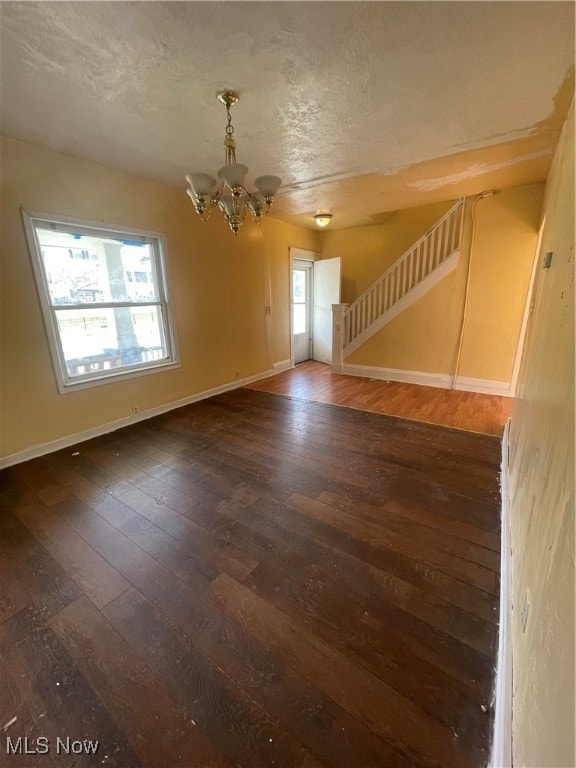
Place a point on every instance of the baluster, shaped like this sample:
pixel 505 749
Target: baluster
pixel 368 308
pixel 441 245
pixel 423 257
pixel 457 227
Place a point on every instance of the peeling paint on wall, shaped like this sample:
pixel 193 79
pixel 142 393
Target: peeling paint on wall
pixel 478 169
pixel 542 499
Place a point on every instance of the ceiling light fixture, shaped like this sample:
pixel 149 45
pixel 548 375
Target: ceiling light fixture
pixel 231 197
pixel 323 219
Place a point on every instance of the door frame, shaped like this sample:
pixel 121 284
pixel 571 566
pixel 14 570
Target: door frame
pixel 296 254
pixel 528 307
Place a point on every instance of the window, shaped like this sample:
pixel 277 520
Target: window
pixel 299 299
pixel 101 325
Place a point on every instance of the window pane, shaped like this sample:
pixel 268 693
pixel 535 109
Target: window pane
pixel 299 318
pixel 85 273
pixel 104 339
pixel 83 269
pixel 298 285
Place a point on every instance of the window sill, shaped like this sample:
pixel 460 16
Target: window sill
pixel 115 377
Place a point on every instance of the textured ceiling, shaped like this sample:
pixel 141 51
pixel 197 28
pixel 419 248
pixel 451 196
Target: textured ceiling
pixel 361 107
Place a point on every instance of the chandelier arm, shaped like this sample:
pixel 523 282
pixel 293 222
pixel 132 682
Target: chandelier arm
pixel 204 207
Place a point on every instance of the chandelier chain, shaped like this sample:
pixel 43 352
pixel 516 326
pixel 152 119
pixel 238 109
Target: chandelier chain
pixel 229 126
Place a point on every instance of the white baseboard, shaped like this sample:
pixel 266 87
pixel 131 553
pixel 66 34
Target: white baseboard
pixel 283 365
pixel 501 756
pixel 441 380
pixel 42 449
pixel 484 386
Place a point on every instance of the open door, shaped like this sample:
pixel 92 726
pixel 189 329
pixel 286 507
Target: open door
pixel 326 293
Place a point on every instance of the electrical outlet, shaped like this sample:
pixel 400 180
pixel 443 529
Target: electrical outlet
pixel 135 410
pixel 237 375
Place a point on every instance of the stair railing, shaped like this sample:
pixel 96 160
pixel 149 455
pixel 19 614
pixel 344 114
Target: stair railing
pixel 425 256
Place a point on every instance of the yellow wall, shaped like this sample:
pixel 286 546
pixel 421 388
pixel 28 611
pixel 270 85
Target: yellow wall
pixel 220 288
pixel 367 252
pixel 506 236
pixel 425 337
pixel 542 493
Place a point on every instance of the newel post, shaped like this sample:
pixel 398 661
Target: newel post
pixel 338 311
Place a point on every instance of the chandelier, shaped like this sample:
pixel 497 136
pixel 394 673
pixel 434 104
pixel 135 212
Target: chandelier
pixel 231 196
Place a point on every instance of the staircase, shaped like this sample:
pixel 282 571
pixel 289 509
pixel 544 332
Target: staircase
pixel 430 259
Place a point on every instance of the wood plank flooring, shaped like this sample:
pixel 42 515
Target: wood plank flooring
pixel 472 411
pixel 252 581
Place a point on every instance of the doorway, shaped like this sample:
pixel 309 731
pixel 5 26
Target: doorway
pixel 314 287
pixel 302 287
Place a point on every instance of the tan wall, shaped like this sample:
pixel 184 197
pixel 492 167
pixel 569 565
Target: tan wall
pixel 425 337
pixel 220 288
pixel 542 493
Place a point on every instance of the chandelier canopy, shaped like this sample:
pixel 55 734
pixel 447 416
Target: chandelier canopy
pixel 231 196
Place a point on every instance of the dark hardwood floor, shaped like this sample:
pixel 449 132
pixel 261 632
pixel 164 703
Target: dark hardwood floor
pixel 252 581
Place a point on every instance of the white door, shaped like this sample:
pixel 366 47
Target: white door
pixel 326 292
pixel 302 277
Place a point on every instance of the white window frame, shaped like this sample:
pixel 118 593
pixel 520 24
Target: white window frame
pixel 156 241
